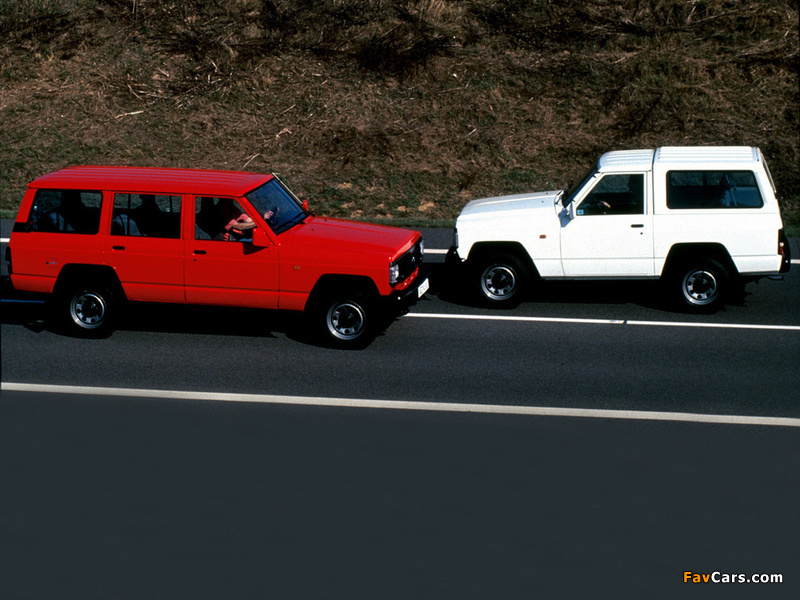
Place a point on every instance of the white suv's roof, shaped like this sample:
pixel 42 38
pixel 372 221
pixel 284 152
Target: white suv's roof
pixel 626 160
pixel 713 154
pixel 642 160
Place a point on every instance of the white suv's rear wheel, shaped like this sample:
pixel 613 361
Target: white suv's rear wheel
pixel 702 285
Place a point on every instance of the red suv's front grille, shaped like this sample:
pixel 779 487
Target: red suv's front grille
pixel 410 261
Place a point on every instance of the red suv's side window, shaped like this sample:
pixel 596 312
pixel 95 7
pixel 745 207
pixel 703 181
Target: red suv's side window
pixel 65 211
pixel 221 219
pixel 149 215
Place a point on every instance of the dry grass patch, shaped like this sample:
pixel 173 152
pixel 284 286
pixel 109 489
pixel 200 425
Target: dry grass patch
pixel 388 110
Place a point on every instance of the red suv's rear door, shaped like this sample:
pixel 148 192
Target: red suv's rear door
pixel 144 246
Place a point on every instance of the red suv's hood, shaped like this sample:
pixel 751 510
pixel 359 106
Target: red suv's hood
pixel 321 233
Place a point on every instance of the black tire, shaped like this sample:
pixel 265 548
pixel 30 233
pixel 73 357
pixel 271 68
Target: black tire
pixel 499 280
pixel 87 310
pixel 701 285
pixel 344 320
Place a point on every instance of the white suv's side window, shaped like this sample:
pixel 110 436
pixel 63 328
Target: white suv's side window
pixel 615 195
pixel 713 189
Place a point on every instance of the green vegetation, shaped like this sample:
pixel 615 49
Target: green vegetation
pixel 389 110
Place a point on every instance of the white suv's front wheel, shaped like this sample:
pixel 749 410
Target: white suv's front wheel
pixel 500 280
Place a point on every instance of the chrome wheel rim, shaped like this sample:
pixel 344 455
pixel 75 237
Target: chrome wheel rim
pixel 346 320
pixel 700 287
pixel 499 282
pixel 88 310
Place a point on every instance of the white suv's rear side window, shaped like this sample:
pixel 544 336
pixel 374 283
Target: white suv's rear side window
pixel 713 189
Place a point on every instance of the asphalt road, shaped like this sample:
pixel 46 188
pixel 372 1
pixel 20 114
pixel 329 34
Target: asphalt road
pixel 164 497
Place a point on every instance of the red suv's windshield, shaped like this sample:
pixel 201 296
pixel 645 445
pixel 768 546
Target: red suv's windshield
pixel 277 206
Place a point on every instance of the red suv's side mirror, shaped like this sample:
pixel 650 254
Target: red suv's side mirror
pixel 305 205
pixel 260 239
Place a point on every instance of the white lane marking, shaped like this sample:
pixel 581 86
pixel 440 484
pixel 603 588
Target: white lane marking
pixel 560 320
pixel 512 318
pixel 602 321
pixel 541 411
pixel 715 325
pixel 4 240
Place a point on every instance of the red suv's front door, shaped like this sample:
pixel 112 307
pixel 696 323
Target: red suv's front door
pixel 222 266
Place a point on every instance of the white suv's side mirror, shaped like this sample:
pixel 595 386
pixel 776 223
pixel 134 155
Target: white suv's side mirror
pixel 567 214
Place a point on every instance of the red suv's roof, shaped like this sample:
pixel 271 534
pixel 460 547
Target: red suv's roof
pixel 153 180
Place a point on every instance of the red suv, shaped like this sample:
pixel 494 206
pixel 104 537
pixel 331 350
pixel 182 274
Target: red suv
pixel 93 237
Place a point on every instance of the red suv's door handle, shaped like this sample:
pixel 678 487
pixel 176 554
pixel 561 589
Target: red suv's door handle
pixel 199 252
pixel 118 247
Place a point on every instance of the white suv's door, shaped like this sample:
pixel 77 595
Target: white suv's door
pixel 611 234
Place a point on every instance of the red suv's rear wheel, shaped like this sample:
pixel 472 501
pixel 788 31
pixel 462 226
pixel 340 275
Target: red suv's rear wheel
pixel 87 309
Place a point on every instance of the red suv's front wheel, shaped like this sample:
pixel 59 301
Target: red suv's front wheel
pixel 345 320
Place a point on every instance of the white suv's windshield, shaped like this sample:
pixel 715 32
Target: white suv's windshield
pixel 576 185
pixel 277 206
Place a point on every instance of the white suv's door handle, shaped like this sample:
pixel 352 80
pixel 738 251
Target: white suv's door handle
pixel 637 225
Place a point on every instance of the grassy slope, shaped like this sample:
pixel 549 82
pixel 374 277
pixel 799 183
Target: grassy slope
pixel 387 110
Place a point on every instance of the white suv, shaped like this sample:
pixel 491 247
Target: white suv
pixel 701 218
